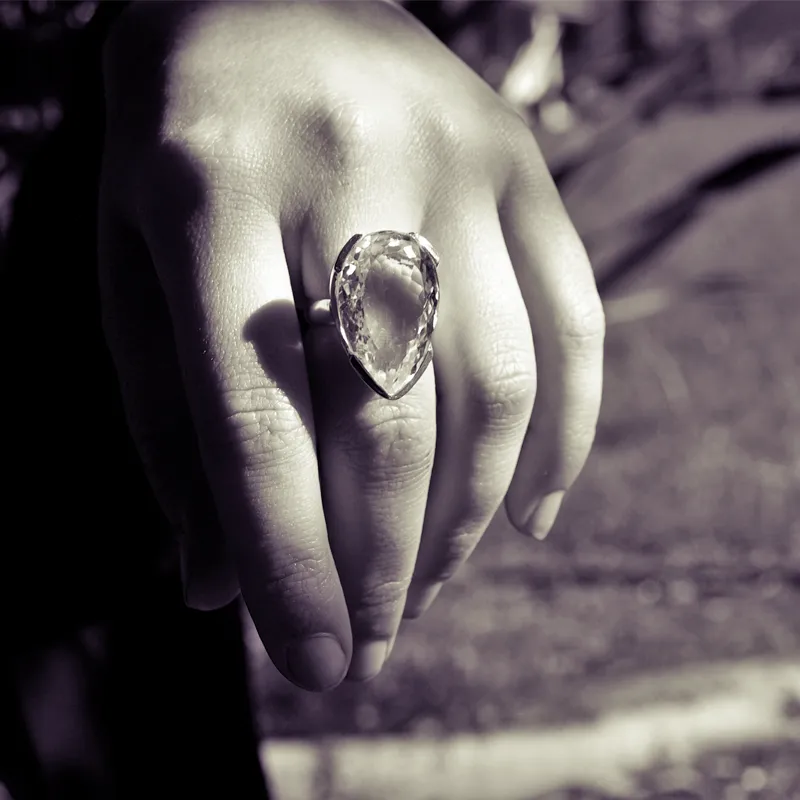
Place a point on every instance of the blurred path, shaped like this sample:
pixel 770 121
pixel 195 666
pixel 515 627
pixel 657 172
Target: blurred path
pixel 748 704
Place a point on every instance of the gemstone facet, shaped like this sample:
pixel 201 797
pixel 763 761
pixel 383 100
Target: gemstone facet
pixel 384 299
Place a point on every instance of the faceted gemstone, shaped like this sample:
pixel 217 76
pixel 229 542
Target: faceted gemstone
pixel 385 293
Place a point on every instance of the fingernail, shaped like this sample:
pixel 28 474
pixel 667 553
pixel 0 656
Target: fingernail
pixel 316 663
pixel 544 516
pixel 368 659
pixel 420 598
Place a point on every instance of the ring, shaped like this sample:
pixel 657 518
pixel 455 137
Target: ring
pixel 384 298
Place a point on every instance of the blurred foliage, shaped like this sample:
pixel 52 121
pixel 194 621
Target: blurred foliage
pixel 37 48
pixel 606 42
pixel 36 42
pixel 600 48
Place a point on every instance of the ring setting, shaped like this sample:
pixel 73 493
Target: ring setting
pixel 384 300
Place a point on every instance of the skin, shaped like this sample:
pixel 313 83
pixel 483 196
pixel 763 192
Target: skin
pixel 245 144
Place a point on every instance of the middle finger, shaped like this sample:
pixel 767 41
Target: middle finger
pixel 375 455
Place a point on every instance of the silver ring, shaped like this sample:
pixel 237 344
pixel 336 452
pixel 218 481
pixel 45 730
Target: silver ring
pixel 384 300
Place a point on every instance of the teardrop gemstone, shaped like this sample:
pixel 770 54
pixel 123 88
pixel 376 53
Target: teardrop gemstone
pixel 384 295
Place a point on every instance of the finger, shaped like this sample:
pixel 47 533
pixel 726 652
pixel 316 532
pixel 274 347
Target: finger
pixel 225 276
pixel 376 456
pixel 139 334
pixel 566 316
pixel 486 377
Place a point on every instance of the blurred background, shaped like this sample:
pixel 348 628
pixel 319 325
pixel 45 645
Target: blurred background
pixel 654 638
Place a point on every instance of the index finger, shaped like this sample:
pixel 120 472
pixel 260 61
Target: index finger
pixel 238 338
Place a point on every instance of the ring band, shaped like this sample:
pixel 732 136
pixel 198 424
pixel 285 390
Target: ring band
pixel 384 299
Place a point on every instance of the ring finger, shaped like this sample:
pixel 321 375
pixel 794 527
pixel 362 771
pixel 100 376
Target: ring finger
pixel 486 377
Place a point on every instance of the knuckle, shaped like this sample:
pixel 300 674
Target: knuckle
pixel 580 317
pixel 390 442
pixel 456 549
pixel 348 124
pixel 377 607
pixel 502 393
pixel 259 424
pixel 297 577
pixel 583 322
pixel 224 158
pixel 383 597
pixel 523 158
pixel 169 179
pixel 348 134
pixel 515 128
pixel 449 133
pixel 464 152
pixel 515 134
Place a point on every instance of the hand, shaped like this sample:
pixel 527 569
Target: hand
pixel 245 145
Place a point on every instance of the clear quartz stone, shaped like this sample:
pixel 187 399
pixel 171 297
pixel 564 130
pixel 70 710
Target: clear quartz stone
pixel 386 294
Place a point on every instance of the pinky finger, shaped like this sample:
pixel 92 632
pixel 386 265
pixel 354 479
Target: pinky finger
pixel 566 315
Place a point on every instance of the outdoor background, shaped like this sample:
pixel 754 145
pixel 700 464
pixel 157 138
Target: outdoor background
pixel 671 581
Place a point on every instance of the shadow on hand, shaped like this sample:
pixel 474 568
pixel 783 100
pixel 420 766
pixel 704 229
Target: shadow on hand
pixel 276 333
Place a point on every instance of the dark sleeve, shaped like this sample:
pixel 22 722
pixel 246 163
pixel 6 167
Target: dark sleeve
pixel 81 532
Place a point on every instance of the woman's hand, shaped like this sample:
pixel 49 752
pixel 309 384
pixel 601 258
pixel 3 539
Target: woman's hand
pixel 245 145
